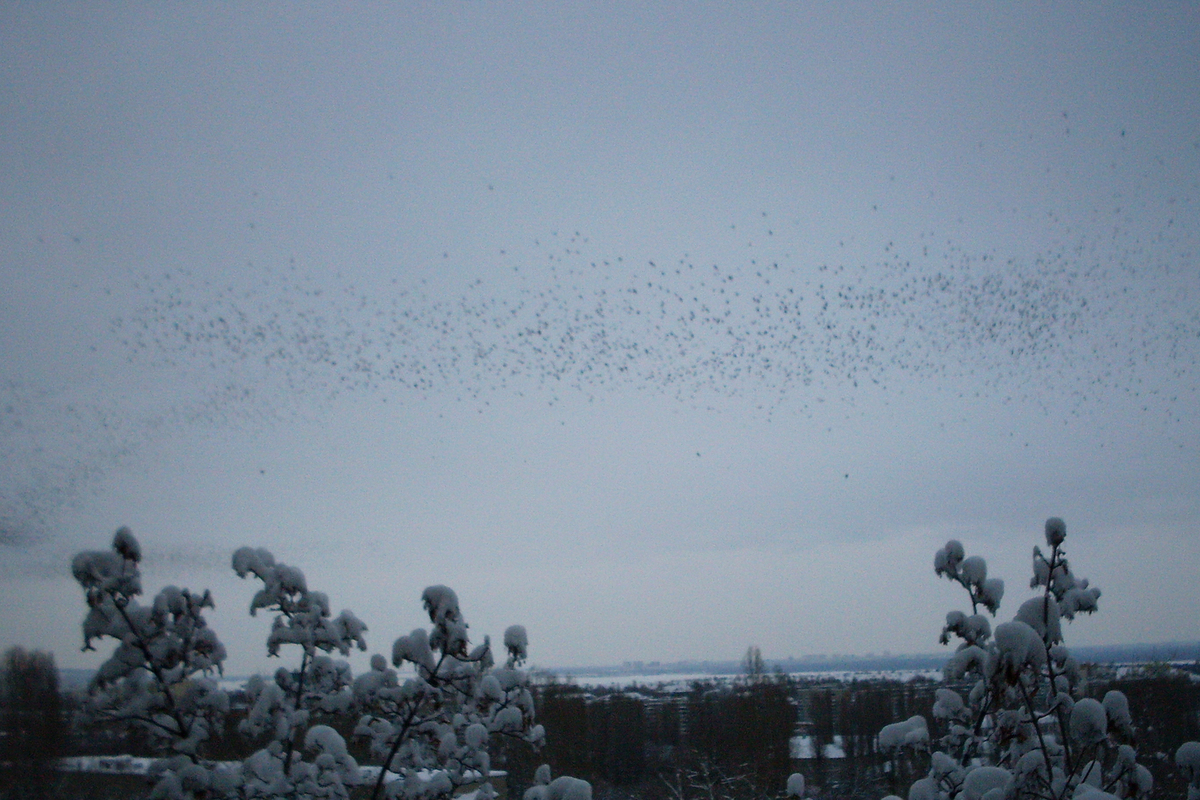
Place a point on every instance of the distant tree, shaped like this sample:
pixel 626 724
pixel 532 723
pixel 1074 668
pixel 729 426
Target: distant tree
pixel 563 709
pixel 31 724
pixel 753 668
pixel 739 736
pixel 617 730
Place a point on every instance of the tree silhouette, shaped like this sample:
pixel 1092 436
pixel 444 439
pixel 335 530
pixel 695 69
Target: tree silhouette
pixel 31 724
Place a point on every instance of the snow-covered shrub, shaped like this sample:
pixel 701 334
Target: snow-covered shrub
pixel 442 718
pixel 431 731
pixel 160 676
pixel 1187 758
pixel 561 788
pixel 912 732
pixel 1024 728
pixel 285 707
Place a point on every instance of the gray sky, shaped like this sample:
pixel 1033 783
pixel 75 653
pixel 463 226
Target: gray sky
pixel 662 329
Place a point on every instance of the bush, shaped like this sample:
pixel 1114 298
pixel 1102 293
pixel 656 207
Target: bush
pixel 431 731
pixel 1025 728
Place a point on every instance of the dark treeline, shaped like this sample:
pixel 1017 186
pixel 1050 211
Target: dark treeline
pixel 723 740
pixel 712 741
pixel 732 741
pixel 32 724
pixel 1165 706
pixel 843 720
pixel 718 740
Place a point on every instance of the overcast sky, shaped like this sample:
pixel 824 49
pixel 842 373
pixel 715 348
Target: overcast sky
pixel 664 329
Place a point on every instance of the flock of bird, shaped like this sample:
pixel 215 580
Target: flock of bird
pixel 765 326
pixel 784 334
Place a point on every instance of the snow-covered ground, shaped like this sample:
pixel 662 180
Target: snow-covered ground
pixel 109 765
pixel 683 683
pixel 135 765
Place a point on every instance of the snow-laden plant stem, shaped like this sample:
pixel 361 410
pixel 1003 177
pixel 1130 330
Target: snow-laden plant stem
pixel 321 684
pixel 182 728
pixel 1056 560
pixel 159 676
pixel 1025 729
pixel 432 731
pixel 410 719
